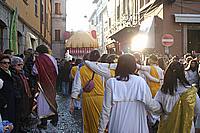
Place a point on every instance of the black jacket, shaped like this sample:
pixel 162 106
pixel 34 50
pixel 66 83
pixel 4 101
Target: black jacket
pixel 7 97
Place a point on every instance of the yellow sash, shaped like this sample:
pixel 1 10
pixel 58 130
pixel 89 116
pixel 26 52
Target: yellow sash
pixel 92 102
pixel 181 117
pixel 112 71
pixel 73 71
pixel 154 87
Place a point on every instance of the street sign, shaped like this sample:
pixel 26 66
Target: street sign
pixel 167 40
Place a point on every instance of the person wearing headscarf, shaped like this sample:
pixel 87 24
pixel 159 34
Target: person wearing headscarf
pixel 46 69
pixel 22 93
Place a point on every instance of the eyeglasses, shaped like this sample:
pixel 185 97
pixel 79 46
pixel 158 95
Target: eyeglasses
pixel 20 64
pixel 5 63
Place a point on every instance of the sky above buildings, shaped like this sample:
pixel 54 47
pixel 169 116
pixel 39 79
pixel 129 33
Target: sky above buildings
pixel 78 13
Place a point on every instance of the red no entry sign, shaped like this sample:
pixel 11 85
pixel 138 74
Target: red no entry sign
pixel 167 40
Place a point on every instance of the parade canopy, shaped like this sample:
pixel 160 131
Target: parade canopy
pixel 81 40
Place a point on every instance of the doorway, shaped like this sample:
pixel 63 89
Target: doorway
pixel 193 38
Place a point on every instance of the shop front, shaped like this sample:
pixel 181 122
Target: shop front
pixel 191 31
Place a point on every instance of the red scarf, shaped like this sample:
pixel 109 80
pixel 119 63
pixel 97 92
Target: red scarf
pixel 26 85
pixel 47 77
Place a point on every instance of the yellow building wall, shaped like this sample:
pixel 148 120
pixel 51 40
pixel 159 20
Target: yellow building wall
pixel 27 13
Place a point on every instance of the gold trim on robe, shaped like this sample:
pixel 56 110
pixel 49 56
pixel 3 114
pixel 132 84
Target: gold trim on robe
pixel 182 115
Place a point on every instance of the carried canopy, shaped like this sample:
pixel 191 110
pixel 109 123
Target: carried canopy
pixel 81 40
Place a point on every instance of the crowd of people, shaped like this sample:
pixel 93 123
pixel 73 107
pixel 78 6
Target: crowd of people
pixel 125 94
pixel 28 90
pixel 116 93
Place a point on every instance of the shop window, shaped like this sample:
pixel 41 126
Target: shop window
pixel 57 35
pixel 57 8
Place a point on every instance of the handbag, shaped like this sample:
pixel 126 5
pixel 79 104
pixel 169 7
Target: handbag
pixel 89 85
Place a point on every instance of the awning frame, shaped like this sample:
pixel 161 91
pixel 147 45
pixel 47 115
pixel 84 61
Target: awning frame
pixel 187 18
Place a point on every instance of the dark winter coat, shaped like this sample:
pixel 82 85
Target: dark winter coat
pixel 22 101
pixel 7 97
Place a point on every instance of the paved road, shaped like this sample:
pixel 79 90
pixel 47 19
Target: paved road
pixel 68 123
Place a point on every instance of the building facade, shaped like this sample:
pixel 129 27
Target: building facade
pixel 98 22
pixel 154 18
pixel 33 23
pixel 58 27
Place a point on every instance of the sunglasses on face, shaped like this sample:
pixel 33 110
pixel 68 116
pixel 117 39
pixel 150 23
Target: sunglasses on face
pixel 5 63
pixel 19 64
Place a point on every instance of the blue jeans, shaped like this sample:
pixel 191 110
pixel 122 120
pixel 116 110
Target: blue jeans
pixel 65 88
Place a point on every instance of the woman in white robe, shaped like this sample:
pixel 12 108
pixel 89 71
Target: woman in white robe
pixel 174 87
pixel 130 99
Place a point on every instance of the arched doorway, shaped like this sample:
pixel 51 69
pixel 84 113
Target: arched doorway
pixel 19 42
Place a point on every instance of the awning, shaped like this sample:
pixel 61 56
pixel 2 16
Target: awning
pixel 125 34
pixel 31 41
pixel 187 18
pixel 146 35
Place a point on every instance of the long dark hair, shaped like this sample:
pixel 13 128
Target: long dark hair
pixel 174 72
pixel 126 65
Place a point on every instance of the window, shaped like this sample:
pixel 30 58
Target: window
pixel 36 8
pixel 141 3
pixel 147 1
pixel 57 8
pixel 47 21
pixel 57 35
pixel 97 20
pixel 42 12
pixel 124 6
pixel 118 12
pixel 109 22
pixel 92 22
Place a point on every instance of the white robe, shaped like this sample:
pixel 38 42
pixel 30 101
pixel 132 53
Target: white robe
pixel 103 69
pixel 167 101
pixel 43 107
pixel 192 77
pixel 130 102
pixel 146 72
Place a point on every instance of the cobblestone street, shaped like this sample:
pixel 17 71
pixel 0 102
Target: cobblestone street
pixel 68 123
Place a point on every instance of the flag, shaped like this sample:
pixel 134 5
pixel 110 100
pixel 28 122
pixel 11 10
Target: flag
pixel 13 32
